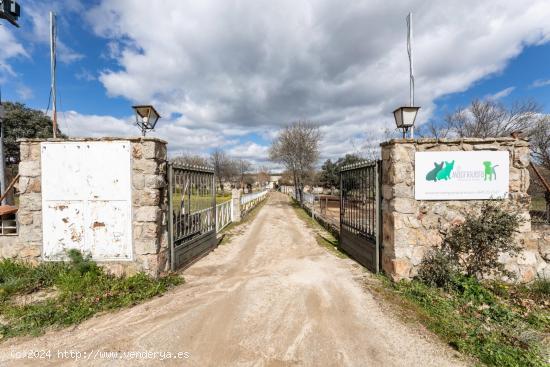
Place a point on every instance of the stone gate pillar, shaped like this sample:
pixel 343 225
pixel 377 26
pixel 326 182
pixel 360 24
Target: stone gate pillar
pixel 411 227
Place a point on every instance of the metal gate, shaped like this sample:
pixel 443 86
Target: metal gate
pixel 360 212
pixel 191 212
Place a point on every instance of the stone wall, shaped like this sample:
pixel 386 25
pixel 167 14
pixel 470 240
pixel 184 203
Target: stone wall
pixel 149 204
pixel 411 227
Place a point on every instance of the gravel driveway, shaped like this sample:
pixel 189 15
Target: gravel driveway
pixel 271 296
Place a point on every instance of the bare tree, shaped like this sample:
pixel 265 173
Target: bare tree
pixel 263 176
pixel 191 159
pixel 297 148
pixel 222 166
pixel 540 142
pixel 486 118
pixel 243 167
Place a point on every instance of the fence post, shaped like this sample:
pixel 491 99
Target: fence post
pixel 236 205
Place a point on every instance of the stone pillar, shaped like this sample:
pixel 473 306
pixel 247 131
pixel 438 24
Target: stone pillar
pixel 28 244
pixel 235 205
pixel 411 227
pixel 149 206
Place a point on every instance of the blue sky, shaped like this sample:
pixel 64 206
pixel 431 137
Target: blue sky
pixel 230 76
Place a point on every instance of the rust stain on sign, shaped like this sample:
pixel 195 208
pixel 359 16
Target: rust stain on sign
pixel 61 207
pixel 98 225
pixel 65 220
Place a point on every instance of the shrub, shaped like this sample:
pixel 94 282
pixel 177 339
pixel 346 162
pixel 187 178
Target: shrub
pixel 477 243
pixel 438 268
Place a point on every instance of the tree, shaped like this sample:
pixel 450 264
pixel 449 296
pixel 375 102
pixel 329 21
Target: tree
pixel 243 167
pixel 191 160
pixel 485 119
pixel 330 171
pixel 540 142
pixel 297 148
pixel 222 166
pixel 328 177
pixel 23 122
pixel 263 176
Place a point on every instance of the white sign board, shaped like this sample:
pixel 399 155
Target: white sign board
pixel 86 199
pixel 460 175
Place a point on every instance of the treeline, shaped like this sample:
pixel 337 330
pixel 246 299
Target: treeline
pixel 232 172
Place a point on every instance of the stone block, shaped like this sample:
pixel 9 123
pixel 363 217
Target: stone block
pixel 34 185
pixel 147 214
pixel 146 197
pixel 155 181
pixel 153 150
pixel 400 269
pixel 30 202
pixel 137 151
pixel 25 218
pixel 138 180
pixel 146 166
pixel 403 205
pixel 527 258
pixel 146 246
pixel 522 157
pixel 29 168
pixel 527 274
pixel 30 233
pixel 30 250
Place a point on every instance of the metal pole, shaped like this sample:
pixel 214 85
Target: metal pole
pixel 2 160
pixel 411 65
pixel 378 214
pixel 53 67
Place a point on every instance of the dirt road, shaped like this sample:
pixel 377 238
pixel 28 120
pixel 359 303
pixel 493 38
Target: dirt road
pixel 270 297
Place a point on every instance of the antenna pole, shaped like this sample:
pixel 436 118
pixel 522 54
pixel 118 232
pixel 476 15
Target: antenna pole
pixel 53 35
pixel 2 160
pixel 411 70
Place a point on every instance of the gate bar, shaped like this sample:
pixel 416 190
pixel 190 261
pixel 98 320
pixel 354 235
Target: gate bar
pixel 171 218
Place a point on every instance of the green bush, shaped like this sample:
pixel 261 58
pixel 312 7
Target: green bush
pixel 473 248
pixel 477 244
pixel 438 268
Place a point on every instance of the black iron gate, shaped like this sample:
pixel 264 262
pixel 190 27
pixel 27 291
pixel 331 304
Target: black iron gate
pixel 360 213
pixel 191 213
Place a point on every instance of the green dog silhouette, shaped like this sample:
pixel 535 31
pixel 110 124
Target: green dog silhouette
pixel 490 173
pixel 445 173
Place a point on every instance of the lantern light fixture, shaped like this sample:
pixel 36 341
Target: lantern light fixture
pixel 146 117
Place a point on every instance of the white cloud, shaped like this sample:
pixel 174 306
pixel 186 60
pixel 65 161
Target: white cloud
pixel 540 83
pixel 10 48
pixel 24 92
pixel 500 94
pixel 240 66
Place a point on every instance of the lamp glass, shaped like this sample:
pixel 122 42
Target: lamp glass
pixel 146 115
pixel 405 116
pixel 398 118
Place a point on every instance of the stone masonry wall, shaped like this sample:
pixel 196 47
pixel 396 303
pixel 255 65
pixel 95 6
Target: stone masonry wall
pixel 411 227
pixel 149 204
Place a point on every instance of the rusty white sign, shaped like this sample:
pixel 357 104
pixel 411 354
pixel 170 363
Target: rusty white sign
pixel 86 199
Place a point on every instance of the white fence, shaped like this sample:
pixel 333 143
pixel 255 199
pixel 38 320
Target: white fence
pixel 249 201
pixel 223 215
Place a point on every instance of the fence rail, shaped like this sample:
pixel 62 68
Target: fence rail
pixel 223 215
pixel 249 201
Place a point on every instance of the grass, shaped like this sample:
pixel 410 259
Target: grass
pixel 538 203
pixel 497 323
pixel 77 290
pixel 323 237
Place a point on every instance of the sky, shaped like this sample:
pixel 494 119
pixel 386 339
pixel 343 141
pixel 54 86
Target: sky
pixel 230 74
